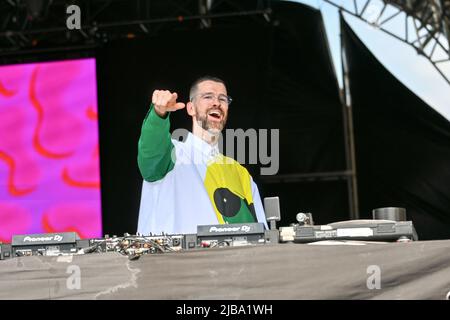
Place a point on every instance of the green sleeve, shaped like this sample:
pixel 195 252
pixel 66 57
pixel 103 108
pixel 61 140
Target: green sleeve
pixel 155 147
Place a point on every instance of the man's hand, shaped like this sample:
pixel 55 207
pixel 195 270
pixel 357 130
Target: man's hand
pixel 165 101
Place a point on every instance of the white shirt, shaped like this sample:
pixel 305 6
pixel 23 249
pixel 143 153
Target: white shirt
pixel 179 202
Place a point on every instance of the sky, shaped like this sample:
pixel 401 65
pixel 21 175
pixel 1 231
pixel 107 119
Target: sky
pixel 403 61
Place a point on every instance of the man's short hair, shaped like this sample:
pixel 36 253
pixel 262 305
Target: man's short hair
pixel 193 90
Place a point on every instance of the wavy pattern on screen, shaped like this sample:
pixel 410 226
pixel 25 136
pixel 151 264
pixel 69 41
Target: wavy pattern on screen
pixel 49 157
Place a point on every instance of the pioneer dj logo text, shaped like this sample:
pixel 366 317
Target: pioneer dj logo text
pixel 230 229
pixel 43 239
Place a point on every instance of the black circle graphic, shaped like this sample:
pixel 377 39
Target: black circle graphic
pixel 227 202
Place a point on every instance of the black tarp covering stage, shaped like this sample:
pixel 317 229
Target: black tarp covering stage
pixel 345 270
pixel 402 145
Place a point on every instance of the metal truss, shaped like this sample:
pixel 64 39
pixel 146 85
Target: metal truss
pixel 40 25
pixel 425 25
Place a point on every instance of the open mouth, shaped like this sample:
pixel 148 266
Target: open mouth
pixel 216 115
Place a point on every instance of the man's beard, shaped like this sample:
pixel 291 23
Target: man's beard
pixel 210 126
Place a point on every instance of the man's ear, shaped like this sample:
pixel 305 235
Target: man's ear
pixel 190 109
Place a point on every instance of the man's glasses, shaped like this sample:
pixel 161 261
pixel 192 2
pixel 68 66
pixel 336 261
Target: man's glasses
pixel 223 99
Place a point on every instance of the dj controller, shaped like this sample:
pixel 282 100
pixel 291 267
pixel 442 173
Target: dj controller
pixel 388 225
pixel 68 243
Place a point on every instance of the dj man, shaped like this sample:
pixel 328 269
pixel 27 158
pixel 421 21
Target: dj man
pixel 191 183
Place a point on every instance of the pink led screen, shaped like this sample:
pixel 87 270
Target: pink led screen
pixel 49 153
